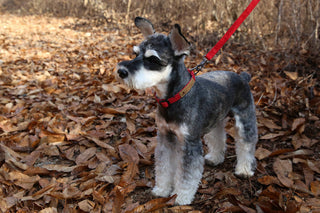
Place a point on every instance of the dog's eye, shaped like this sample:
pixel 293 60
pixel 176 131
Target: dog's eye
pixel 154 60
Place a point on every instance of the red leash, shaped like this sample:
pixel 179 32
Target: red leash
pixel 167 102
pixel 228 34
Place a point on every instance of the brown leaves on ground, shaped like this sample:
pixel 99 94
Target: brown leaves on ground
pixel 73 139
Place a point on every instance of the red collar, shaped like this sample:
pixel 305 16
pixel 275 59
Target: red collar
pixel 166 102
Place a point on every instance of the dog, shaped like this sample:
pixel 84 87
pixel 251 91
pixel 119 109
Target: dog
pixel 190 108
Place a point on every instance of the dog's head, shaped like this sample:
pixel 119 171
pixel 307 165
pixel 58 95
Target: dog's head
pixel 155 58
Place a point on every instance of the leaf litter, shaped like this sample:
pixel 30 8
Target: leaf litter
pixel 73 139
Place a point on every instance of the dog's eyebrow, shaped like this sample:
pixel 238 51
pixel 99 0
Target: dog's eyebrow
pixel 149 53
pixel 136 49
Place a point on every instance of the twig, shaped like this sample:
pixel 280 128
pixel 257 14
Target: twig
pixel 128 11
pixel 279 20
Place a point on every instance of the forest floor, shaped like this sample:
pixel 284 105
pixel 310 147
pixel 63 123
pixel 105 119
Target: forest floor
pixel 72 139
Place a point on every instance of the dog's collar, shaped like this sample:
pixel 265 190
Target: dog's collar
pixel 166 102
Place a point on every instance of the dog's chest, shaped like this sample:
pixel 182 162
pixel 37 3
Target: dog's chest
pixel 166 128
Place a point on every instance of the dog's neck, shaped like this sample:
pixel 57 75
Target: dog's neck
pixel 178 78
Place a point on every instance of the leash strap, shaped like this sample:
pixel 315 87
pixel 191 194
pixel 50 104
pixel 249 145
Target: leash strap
pixel 228 34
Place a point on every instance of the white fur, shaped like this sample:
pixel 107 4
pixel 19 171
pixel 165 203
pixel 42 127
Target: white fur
pixel 144 78
pixel 239 125
pixel 245 153
pixel 136 49
pixel 164 170
pixel 178 53
pixel 150 52
pixel 245 159
pixel 184 130
pixel 171 177
pixel 186 183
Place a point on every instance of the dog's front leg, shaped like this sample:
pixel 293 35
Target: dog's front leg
pixel 164 166
pixel 189 171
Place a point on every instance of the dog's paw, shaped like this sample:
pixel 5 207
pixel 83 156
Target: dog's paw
pixel 160 192
pixel 245 169
pixel 214 159
pixel 183 198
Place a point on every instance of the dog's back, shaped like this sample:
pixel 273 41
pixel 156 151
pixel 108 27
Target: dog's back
pixel 234 86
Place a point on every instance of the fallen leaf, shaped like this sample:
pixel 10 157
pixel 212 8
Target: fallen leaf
pixel 7 203
pixel 49 210
pixel 272 135
pixel 300 152
pixel 267 180
pixel 315 188
pixel 58 167
pixel 112 111
pixel 100 143
pixel 283 168
pixel 262 153
pixel 291 75
pixel 118 199
pixel 130 125
pixel 154 204
pixel 297 123
pixel 128 153
pixel 308 175
pixel 314 166
pixel 86 155
pixel 23 180
pixel 111 88
pixel 86 205
pixel 269 123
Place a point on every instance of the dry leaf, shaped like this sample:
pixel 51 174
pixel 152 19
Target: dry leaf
pixel 128 154
pixel 86 155
pixel 297 123
pixel 314 166
pixel 283 168
pixel 267 180
pixel 155 204
pixel 49 210
pixel 130 125
pixel 86 205
pixel 23 180
pixel 268 123
pixel 111 88
pixel 262 153
pixel 315 188
pixel 292 75
pixel 58 167
pixel 272 135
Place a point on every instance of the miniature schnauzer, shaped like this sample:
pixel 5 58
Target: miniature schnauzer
pixel 189 108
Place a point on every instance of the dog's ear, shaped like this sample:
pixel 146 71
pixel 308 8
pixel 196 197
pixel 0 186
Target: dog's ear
pixel 145 26
pixel 179 43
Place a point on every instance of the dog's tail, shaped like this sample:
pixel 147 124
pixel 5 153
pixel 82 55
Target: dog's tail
pixel 245 76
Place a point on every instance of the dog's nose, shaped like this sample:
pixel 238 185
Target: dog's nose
pixel 122 73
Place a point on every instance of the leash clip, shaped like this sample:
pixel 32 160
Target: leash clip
pixel 199 67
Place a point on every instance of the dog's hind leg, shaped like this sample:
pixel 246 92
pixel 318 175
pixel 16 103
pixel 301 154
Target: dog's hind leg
pixel 189 172
pixel 246 145
pixel 216 142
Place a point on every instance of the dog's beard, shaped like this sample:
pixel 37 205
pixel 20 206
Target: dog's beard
pixel 143 78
